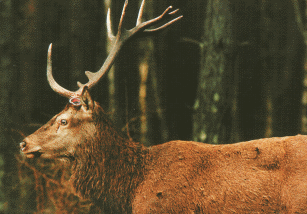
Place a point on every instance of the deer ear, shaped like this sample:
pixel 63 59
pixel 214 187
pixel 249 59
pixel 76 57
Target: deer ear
pixel 86 99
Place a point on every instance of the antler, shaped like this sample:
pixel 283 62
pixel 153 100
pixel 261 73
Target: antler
pixel 141 29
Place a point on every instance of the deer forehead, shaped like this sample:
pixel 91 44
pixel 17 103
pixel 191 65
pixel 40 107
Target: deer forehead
pixel 71 114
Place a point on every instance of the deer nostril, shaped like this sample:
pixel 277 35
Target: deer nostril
pixel 22 145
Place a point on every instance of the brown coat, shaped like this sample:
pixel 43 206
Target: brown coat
pixel 120 176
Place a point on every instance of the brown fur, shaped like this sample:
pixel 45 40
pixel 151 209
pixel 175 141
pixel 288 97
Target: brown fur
pixel 260 176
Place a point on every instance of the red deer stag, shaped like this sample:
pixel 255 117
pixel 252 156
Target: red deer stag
pixel 120 176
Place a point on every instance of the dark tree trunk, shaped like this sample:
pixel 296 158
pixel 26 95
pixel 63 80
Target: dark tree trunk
pixel 9 194
pixel 301 22
pixel 252 90
pixel 282 69
pixel 211 109
pixel 248 119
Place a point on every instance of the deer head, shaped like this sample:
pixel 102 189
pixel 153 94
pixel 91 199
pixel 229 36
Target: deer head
pixel 61 134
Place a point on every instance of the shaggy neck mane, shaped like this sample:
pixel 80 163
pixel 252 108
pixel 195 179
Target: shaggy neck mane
pixel 108 168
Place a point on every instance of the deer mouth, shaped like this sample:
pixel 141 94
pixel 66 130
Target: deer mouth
pixel 35 154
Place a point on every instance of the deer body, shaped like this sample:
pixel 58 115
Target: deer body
pixel 121 176
pixel 260 176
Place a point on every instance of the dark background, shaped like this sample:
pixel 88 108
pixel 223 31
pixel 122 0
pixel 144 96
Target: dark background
pixel 228 71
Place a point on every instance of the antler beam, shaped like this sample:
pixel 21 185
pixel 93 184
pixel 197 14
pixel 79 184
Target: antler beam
pixel 123 35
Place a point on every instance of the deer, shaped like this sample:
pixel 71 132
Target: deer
pixel 122 176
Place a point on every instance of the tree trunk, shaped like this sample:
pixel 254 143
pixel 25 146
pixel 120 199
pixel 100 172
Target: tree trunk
pixel 9 194
pixel 211 103
pixel 248 116
pixel 282 70
pixel 301 17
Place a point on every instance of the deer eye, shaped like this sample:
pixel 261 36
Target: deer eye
pixel 63 122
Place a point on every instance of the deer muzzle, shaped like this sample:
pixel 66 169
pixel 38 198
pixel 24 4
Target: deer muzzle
pixel 30 153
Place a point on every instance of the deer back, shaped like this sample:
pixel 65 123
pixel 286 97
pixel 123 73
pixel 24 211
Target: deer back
pixel 260 176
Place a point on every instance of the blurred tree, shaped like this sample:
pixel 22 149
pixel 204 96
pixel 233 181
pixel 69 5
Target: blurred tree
pixel 210 108
pixel 300 10
pixel 9 194
pixel 250 82
pixel 28 44
pixel 281 72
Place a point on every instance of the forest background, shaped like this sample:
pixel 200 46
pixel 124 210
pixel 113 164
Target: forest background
pixel 228 71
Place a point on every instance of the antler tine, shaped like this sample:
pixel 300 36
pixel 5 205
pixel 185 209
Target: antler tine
pixel 119 30
pixel 109 26
pixel 160 18
pixel 53 84
pixel 163 26
pixel 140 15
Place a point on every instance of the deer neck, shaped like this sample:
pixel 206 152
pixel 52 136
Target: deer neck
pixel 109 169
